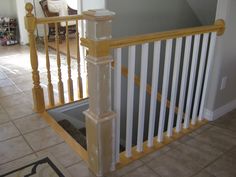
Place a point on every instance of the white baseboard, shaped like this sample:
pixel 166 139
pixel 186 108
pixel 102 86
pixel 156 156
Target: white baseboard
pixel 213 115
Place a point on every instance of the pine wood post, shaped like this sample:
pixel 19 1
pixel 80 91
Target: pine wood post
pixel 100 119
pixel 30 25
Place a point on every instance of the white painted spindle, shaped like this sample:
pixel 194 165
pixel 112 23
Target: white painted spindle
pixel 209 64
pixel 174 89
pixel 183 82
pixel 200 77
pixel 117 98
pixel 165 86
pixel 192 80
pixel 155 76
pixel 130 100
pixel 142 96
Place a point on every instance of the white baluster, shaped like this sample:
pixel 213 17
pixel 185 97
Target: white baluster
pixel 209 64
pixel 200 77
pixel 117 98
pixel 174 90
pixel 183 82
pixel 142 96
pixel 155 76
pixel 165 89
pixel 130 100
pixel 191 81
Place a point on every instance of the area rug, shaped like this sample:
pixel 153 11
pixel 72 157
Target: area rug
pixel 41 167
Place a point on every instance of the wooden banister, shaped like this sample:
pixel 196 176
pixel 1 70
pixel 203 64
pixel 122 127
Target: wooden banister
pixel 37 90
pixel 218 27
pixel 124 72
pixel 59 19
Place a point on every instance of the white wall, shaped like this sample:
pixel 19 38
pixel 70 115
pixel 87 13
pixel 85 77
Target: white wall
pixel 139 16
pixel 20 8
pixel 205 10
pixel 93 4
pixel 225 62
pixel 8 8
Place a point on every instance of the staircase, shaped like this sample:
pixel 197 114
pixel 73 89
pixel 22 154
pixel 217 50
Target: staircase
pixel 145 91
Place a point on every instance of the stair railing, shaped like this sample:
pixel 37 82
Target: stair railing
pixel 181 62
pixel 54 94
pixel 186 55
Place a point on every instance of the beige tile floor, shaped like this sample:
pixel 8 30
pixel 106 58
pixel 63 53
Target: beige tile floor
pixel 208 152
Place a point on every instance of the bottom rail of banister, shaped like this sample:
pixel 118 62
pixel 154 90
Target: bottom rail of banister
pixel 156 145
pixel 65 136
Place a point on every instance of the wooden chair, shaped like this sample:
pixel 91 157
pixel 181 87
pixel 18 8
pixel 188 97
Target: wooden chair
pixel 51 26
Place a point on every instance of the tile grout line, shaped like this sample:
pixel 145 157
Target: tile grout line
pixel 35 151
pixel 43 149
pixel 81 161
pixel 18 158
pixel 23 137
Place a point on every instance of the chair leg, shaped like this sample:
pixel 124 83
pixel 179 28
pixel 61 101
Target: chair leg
pixel 51 33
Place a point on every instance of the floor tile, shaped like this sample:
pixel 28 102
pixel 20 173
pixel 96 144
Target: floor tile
pixel 19 110
pixel 30 123
pixel 174 144
pixel 128 168
pixel 63 154
pixel 223 167
pixel 8 130
pixel 5 83
pixel 204 147
pixel 204 173
pixel 10 165
pixel 156 154
pixel 219 140
pixel 227 121
pixel 13 100
pixel 22 78
pixel 42 138
pixel 81 170
pixel 185 138
pixel 25 86
pixel 13 149
pixel 189 155
pixel 4 117
pixel 1 109
pixel 142 172
pixel 223 131
pixel 15 71
pixel 166 166
pixel 2 76
pixel 201 130
pixel 232 152
pixel 9 90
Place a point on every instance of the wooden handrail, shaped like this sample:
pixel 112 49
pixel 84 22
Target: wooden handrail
pixel 59 19
pixel 124 72
pixel 218 27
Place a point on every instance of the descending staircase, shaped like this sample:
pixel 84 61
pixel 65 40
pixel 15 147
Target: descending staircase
pixel 154 95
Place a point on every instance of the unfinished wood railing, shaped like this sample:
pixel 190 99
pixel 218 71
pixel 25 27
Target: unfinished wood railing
pixel 52 94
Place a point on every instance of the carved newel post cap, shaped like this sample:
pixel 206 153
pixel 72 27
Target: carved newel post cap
pixel 29 8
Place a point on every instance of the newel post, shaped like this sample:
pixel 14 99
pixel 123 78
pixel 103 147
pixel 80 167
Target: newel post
pixel 100 119
pixel 37 91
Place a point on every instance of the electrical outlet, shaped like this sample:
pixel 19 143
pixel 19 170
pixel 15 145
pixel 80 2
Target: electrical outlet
pixel 223 83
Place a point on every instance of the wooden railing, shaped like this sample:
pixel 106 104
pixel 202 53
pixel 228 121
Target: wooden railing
pixel 41 102
pixel 172 78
